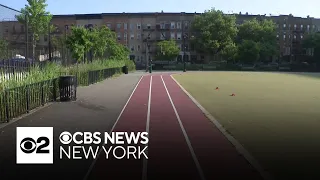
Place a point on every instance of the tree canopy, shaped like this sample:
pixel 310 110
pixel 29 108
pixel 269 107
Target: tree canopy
pixel 101 40
pixel 213 31
pixel 259 35
pixel 169 50
pixel 38 19
pixel 312 42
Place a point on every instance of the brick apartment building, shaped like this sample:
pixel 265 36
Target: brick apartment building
pixel 141 31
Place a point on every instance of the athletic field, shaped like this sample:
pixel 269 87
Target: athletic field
pixel 275 116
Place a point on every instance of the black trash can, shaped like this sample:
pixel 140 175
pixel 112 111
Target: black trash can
pixel 68 88
pixel 125 69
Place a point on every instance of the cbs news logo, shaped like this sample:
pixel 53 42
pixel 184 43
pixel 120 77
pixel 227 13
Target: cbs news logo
pixel 34 145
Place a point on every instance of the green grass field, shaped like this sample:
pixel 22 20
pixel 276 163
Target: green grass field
pixel 275 116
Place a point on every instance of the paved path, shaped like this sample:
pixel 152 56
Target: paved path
pixel 96 109
pixel 183 144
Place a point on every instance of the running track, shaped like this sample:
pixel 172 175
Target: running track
pixel 183 143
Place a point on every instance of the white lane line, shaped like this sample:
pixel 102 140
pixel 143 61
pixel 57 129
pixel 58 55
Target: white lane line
pixel 241 150
pixel 195 159
pixel 114 125
pixel 145 160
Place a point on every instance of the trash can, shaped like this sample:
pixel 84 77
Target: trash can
pixel 125 69
pixel 68 88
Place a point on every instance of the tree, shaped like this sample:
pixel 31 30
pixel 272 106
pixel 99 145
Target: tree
pixel 3 49
pixel 37 18
pixel 105 41
pixel 312 44
pixel 213 31
pixel 262 32
pixel 169 50
pixel 79 42
pixel 249 51
pixel 100 40
pixel 230 52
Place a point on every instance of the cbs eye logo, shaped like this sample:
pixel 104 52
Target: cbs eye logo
pixel 65 137
pixel 29 145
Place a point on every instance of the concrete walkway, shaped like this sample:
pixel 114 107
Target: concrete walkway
pixel 96 109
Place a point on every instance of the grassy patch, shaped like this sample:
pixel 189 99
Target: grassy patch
pixel 276 116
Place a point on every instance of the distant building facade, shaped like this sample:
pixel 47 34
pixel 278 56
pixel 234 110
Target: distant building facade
pixel 141 31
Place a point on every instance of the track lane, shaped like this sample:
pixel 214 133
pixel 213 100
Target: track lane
pixel 133 119
pixel 217 156
pixel 169 155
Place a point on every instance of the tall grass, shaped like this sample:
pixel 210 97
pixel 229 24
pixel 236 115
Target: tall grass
pixel 53 70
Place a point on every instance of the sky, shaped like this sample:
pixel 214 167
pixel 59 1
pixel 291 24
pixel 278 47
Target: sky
pixel 274 7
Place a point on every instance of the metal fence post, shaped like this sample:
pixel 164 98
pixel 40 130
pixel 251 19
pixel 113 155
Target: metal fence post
pixel 54 90
pixel 42 93
pixel 6 101
pixel 28 98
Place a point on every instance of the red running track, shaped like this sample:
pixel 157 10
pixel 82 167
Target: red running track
pixel 183 143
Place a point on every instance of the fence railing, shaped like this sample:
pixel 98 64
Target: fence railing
pixel 17 69
pixel 20 100
pixel 92 77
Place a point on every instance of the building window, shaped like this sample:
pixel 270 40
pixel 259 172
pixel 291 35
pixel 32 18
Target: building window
pixel 294 37
pixel 186 47
pixel 109 25
pixel 295 26
pixel 178 25
pixel 119 25
pixel 301 26
pixel 125 26
pixel 308 27
pixel 148 26
pixel 22 28
pixel 289 36
pixel 284 25
pixel 132 48
pixel 138 47
pixel 138 36
pixel 125 36
pixel 179 36
pixel 277 36
pixel 131 36
pixel 138 26
pixel 173 35
pixel 162 25
pixel 301 36
pixel 119 36
pixel 173 25
pixel 186 24
pixel 163 36
pixel 289 26
pixel 131 26
pixel 284 37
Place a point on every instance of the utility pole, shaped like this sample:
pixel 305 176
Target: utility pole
pixel 184 52
pixel 184 46
pixel 27 37
pixel 49 38
pixel 64 51
pixel 147 55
